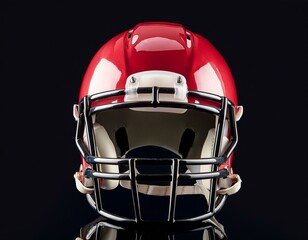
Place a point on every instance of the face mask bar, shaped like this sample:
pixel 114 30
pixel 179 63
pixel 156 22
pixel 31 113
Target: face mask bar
pixel 225 110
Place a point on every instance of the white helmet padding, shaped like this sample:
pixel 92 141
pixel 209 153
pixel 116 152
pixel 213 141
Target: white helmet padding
pixel 207 152
pixel 105 148
pixel 155 128
pixel 224 185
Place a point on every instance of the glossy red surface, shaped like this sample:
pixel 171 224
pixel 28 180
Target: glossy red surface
pixel 159 46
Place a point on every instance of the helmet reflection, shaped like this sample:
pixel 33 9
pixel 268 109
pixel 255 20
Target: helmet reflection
pixel 101 229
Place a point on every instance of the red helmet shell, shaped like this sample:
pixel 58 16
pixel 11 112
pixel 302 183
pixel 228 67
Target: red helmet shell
pixel 159 46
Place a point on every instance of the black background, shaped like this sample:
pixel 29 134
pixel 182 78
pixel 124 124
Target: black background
pixel 45 50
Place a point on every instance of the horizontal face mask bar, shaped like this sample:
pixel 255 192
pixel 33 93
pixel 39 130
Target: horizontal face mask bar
pixel 88 152
pixel 153 177
pixel 198 161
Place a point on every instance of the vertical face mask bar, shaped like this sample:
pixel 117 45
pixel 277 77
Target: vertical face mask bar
pixel 173 185
pixel 81 126
pixel 234 139
pixel 217 146
pixel 85 124
pixel 233 129
pixel 90 136
pixel 135 194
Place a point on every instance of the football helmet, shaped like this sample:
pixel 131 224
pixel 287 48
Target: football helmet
pixel 157 127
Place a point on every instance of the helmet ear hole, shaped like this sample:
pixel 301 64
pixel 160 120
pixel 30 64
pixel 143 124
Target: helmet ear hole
pixel 187 141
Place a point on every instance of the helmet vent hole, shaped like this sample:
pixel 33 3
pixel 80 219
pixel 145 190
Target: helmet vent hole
pixel 188 40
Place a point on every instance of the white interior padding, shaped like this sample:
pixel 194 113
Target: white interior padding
pixel 105 148
pixel 207 152
pixel 166 190
pixel 157 128
pixel 109 233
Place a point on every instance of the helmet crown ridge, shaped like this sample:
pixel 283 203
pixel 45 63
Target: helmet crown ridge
pixel 159 46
